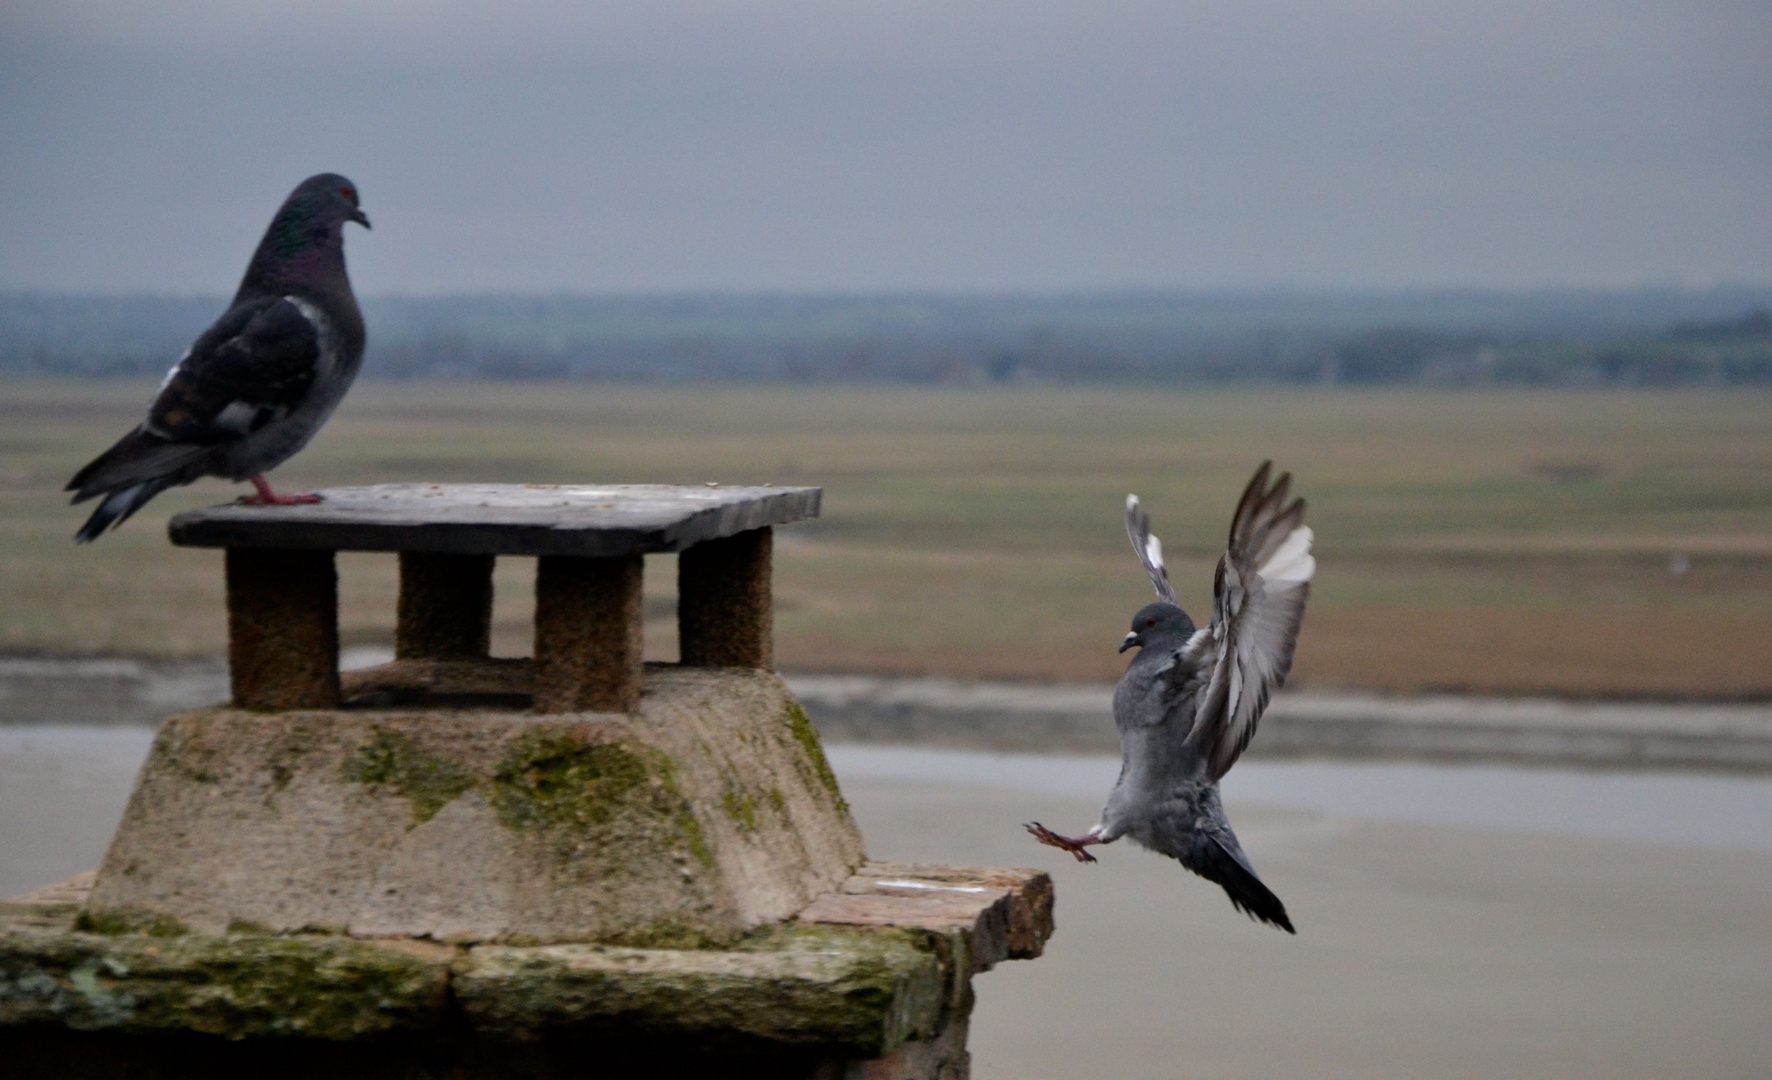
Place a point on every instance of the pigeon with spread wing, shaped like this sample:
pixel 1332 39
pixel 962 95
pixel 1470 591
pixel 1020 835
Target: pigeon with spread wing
pixel 1189 701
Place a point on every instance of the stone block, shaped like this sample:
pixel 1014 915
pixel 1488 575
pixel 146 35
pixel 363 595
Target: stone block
pixel 445 608
pixel 838 993
pixel 705 813
pixel 282 628
pixel 588 641
pixel 855 993
pixel 725 614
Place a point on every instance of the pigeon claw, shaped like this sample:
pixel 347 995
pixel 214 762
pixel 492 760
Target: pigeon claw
pixel 279 500
pixel 264 496
pixel 1076 845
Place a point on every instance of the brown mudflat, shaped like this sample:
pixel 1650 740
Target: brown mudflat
pixel 1566 542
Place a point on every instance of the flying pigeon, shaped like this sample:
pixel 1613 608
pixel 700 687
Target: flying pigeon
pixel 1190 699
pixel 257 385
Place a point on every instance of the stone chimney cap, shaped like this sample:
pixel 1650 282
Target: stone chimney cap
pixel 593 521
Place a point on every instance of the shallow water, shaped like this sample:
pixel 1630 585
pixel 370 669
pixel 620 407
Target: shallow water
pixel 63 788
pixel 1723 812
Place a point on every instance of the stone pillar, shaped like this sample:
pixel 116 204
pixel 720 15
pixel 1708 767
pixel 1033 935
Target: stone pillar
pixel 282 628
pixel 445 606
pixel 725 614
pixel 587 634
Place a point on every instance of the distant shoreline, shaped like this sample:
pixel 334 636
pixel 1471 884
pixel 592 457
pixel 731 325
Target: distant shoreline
pixel 1071 718
pixel 1443 337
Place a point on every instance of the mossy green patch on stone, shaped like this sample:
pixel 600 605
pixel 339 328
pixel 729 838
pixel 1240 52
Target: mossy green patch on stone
pixel 230 986
pixel 807 736
pixel 688 825
pixel 427 782
pixel 548 778
pixel 130 921
pixel 855 992
pixel 285 762
pixel 690 828
pixel 670 932
pixel 175 752
pixel 247 926
pixel 742 809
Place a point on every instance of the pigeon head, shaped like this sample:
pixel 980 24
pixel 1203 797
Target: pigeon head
pixel 306 238
pixel 1158 622
pixel 315 213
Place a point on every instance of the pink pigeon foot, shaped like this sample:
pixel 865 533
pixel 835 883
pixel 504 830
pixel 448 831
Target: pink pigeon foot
pixel 267 497
pixel 1072 844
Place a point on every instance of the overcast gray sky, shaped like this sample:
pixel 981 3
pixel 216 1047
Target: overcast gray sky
pixel 923 144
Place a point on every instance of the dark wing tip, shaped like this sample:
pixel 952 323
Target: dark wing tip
pixel 1250 502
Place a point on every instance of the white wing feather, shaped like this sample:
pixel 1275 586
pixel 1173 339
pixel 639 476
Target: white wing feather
pixel 1263 583
pixel 1149 549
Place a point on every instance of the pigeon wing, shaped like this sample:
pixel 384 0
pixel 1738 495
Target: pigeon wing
pixel 1258 606
pixel 1149 548
pixel 255 365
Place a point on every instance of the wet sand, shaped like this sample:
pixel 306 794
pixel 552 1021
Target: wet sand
pixel 1423 951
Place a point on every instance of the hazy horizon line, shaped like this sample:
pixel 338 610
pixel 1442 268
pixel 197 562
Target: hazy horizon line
pixel 1277 290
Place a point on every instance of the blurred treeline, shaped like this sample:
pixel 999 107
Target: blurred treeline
pixel 1639 337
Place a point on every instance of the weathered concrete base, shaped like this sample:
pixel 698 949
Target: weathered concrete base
pixel 704 814
pixel 833 995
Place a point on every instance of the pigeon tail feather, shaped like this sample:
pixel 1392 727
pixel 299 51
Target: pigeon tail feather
pixel 137 458
pixel 139 467
pixel 118 506
pixel 1213 861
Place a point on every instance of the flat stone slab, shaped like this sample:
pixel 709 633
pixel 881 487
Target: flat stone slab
pixel 593 521
pixel 842 978
pixel 1002 914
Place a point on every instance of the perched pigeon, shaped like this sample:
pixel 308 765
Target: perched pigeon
pixel 1189 701
pixel 258 383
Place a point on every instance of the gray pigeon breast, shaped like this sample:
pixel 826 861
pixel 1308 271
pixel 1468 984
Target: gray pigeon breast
pixel 273 443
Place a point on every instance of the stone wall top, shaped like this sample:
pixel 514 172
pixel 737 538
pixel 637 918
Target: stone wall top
pixel 596 521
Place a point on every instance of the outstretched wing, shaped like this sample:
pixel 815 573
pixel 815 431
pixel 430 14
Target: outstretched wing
pixel 1149 548
pixel 254 366
pixel 1258 600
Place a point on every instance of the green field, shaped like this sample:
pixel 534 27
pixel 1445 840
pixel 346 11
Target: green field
pixel 1503 541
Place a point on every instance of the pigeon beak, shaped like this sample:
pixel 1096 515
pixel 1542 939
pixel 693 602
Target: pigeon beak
pixel 1131 640
pixel 360 217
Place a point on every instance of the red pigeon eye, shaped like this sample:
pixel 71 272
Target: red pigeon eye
pixel 348 193
pixel 1150 622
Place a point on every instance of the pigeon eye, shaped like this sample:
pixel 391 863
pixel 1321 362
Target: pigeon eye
pixel 1150 622
pixel 349 193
